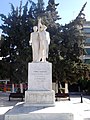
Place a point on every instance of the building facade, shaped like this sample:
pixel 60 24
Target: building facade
pixel 86 29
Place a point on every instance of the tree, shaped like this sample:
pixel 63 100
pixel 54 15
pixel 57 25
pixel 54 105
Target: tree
pixel 71 48
pixel 39 10
pixel 52 9
pixel 15 48
pixel 51 14
pixel 73 38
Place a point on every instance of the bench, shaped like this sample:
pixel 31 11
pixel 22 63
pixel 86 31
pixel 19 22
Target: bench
pixel 62 95
pixel 16 95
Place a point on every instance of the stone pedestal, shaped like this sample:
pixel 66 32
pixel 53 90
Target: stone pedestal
pixel 39 91
pixel 39 98
pixel 40 76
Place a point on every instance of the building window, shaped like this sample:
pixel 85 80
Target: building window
pixel 86 30
pixel 87 61
pixel 87 51
pixel 87 40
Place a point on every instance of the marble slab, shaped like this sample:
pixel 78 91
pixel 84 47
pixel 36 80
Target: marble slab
pixel 57 112
pixel 40 76
pixel 39 98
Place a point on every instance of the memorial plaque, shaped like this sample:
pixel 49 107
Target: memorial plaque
pixel 40 76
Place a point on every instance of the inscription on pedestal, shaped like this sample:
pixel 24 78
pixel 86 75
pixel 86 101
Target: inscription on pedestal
pixel 40 76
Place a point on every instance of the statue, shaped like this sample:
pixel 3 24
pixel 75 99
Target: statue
pixel 34 41
pixel 40 41
pixel 44 43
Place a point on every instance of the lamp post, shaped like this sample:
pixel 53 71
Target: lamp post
pixel 81 97
pixel 80 91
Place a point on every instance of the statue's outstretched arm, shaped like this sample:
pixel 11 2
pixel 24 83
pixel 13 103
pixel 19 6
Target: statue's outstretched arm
pixel 39 24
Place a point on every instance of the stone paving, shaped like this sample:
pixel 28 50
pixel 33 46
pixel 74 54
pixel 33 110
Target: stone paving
pixel 81 111
pixel 5 104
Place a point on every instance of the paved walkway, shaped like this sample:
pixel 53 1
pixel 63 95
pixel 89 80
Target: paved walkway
pixel 81 110
pixel 5 104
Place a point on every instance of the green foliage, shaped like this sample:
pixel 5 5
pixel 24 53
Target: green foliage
pixel 72 71
pixel 71 48
pixel 51 14
pixel 51 8
pixel 72 41
pixel 15 49
pixel 88 87
pixel 5 70
pixel 39 10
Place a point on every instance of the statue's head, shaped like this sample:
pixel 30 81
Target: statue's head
pixel 35 28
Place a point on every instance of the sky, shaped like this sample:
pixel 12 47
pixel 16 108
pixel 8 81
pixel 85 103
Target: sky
pixel 67 9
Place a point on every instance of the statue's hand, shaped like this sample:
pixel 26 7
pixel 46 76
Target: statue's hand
pixel 30 43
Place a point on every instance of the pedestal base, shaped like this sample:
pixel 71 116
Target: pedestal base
pixel 21 112
pixel 39 98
